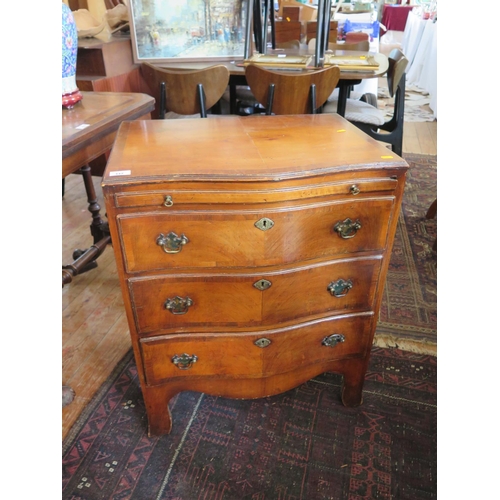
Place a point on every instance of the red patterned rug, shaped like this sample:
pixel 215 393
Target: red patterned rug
pixel 408 317
pixel 303 444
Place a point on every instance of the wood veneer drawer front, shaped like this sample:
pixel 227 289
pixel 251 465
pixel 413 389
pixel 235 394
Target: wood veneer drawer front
pixel 232 239
pixel 169 197
pixel 245 300
pixel 238 356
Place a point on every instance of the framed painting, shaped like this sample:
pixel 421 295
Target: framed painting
pixel 187 30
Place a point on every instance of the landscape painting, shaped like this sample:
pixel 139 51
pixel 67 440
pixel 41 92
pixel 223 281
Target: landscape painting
pixel 183 30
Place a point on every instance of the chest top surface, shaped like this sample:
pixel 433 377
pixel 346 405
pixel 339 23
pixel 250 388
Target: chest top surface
pixel 257 148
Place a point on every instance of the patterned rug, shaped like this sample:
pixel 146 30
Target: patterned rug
pixel 303 444
pixel 408 317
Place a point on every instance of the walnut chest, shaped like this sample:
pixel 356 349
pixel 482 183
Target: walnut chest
pixel 252 252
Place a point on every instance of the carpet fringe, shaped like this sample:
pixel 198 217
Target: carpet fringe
pixel 416 346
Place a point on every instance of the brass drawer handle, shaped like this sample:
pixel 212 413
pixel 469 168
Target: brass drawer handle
pixel 333 340
pixel 171 243
pixel 168 201
pixel 184 361
pixel 339 288
pixel 347 229
pixel 178 305
pixel 354 189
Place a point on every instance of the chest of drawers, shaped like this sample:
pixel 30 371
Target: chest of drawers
pixel 252 252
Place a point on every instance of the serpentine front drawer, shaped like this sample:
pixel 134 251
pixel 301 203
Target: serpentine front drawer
pixel 238 238
pixel 167 197
pixel 189 301
pixel 254 355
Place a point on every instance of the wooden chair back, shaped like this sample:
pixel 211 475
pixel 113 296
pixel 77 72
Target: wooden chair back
pixel 182 87
pixel 363 45
pixel 392 130
pixel 397 67
pixel 292 91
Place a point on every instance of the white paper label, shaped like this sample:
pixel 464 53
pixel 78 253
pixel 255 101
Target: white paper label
pixel 120 172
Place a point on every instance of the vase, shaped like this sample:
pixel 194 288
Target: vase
pixel 70 93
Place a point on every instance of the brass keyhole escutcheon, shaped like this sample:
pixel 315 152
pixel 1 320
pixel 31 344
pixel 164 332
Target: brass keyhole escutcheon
pixel 262 342
pixel 262 284
pixel 264 224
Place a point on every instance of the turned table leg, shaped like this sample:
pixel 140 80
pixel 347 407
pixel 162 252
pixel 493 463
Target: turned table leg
pixel 98 228
pixel 85 260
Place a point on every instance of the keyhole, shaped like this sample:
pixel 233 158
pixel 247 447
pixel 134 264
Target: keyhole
pixel 264 224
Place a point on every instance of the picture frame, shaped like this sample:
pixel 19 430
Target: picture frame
pixel 164 31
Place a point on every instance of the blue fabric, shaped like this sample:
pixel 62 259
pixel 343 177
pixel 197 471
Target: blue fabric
pixel 371 28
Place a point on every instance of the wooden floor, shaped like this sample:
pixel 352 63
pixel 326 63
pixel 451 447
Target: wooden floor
pixel 95 333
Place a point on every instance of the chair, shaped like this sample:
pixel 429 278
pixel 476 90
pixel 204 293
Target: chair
pixel 366 116
pixel 291 93
pixel 185 93
pixel 246 104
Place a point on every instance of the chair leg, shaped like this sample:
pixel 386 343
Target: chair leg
pixel 270 100
pixel 397 145
pixel 163 100
pixel 201 98
pixel 313 99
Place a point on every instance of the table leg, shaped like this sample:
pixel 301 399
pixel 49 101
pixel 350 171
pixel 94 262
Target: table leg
pixel 341 103
pixel 344 91
pixel 85 260
pixel 98 228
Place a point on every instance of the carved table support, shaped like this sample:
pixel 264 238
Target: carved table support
pixel 85 260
